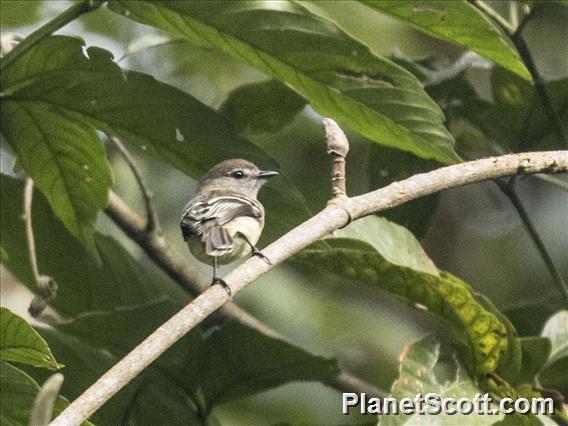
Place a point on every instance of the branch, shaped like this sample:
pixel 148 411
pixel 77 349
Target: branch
pixel 47 287
pixel 333 217
pixel 55 24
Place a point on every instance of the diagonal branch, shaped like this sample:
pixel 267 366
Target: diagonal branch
pixel 333 217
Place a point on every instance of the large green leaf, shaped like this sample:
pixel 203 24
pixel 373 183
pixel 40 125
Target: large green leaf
pixel 377 252
pixel 337 74
pixel 417 376
pixel 457 22
pixel 17 397
pixel 85 88
pixel 21 343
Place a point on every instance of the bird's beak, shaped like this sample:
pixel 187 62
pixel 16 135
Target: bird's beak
pixel 266 174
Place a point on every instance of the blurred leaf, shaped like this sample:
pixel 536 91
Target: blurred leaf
pixel 18 13
pixel 83 285
pixel 457 22
pixel 236 361
pixel 516 119
pixel 262 107
pixel 529 317
pixel 20 343
pixel 18 394
pixel 339 76
pixel 535 354
pixel 389 165
pixel 44 403
pixel 394 261
pixel 417 363
pixel 555 373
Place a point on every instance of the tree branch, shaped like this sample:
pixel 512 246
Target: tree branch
pixel 333 217
pixel 55 24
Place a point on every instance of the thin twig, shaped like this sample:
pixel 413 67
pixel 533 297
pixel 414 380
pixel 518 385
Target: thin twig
pixel 46 285
pixel 151 216
pixel 333 217
pixel 509 189
pixel 55 24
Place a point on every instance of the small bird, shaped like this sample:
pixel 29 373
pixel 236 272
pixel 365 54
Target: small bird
pixel 223 221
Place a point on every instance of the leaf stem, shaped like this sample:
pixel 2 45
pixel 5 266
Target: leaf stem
pixel 510 191
pixel 55 24
pixel 46 285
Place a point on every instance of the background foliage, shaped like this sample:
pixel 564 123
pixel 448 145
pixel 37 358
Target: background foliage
pixel 187 84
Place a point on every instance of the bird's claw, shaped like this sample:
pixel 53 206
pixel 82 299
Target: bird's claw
pixel 222 282
pixel 258 253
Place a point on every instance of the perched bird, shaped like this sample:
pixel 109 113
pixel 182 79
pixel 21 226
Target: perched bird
pixel 223 221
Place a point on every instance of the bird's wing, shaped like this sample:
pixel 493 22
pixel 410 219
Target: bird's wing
pixel 220 210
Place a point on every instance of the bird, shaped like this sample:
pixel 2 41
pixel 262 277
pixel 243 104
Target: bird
pixel 224 220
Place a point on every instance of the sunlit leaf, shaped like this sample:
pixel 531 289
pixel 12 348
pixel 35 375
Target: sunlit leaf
pixel 21 343
pixel 377 252
pixel 337 74
pixel 458 22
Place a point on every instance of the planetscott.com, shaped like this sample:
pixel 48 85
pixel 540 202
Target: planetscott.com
pixel 434 404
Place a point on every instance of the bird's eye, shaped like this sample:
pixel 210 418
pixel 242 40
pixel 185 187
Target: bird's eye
pixel 238 174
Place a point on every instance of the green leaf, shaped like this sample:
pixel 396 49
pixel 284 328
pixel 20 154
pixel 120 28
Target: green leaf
pixel 536 351
pixel 63 155
pixel 416 376
pixel 555 373
pixel 237 361
pixel 21 343
pixel 18 394
pixel 459 23
pixel 377 252
pixel 337 74
pixel 262 107
pixel 85 85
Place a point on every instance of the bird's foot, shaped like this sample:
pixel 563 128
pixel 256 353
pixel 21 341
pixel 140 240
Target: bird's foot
pixel 258 253
pixel 221 281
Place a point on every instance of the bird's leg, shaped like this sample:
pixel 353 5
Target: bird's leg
pixel 256 252
pixel 217 279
